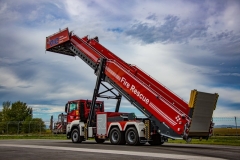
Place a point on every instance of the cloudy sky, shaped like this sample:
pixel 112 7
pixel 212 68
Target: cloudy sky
pixel 183 44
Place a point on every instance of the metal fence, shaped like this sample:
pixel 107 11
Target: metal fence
pixel 226 126
pixel 221 122
pixel 223 126
pixel 21 127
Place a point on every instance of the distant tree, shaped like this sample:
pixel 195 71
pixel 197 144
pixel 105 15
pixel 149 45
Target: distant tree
pixel 1 123
pixel 4 116
pixel 19 111
pixel 1 117
pixel 33 125
pixel 5 111
pixel 17 118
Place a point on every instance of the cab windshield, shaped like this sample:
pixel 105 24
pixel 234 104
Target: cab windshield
pixel 72 107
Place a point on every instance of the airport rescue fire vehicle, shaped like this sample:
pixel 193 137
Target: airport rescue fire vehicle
pixel 167 115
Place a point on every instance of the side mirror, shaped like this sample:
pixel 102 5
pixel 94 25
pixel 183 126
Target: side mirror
pixel 66 107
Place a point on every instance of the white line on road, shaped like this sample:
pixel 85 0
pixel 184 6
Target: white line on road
pixel 145 154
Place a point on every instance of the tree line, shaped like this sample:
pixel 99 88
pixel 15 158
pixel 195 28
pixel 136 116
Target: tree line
pixel 17 117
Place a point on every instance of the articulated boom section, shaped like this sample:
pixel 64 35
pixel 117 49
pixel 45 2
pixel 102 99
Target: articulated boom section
pixel 169 114
pixel 156 105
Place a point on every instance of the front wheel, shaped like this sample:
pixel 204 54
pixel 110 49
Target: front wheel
pixel 132 137
pixel 75 136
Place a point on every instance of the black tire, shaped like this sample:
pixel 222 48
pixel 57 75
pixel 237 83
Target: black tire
pixel 156 140
pixel 132 137
pixel 75 136
pixel 153 143
pixel 116 137
pixel 98 140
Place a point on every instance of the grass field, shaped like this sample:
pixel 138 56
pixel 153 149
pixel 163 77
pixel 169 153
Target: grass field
pixel 226 131
pixel 216 140
pixel 222 136
pixel 34 136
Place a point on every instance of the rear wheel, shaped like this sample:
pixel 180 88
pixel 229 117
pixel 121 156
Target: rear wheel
pixel 98 140
pixel 131 136
pixel 75 136
pixel 116 136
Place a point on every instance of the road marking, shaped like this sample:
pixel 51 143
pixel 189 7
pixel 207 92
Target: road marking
pixel 145 154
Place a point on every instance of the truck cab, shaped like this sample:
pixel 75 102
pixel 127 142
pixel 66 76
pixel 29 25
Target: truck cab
pixel 78 111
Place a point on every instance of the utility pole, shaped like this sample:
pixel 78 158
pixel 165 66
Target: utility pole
pixel 51 124
pixel 236 126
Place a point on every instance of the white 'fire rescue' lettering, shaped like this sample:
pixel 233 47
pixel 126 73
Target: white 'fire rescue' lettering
pixel 125 83
pixel 140 95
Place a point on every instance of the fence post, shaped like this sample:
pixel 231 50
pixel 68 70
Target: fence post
pixel 29 127
pixel 18 127
pixel 7 126
pixel 52 127
pixel 236 125
pixel 213 131
pixel 40 128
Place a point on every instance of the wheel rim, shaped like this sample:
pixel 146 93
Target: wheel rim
pixel 115 136
pixel 131 136
pixel 75 137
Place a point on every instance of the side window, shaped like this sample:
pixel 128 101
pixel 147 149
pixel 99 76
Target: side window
pixel 97 105
pixel 88 105
pixel 100 105
pixel 72 107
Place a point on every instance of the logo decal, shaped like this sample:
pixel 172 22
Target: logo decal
pixel 53 42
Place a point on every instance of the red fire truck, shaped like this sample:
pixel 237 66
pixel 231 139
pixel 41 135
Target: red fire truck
pixel 60 126
pixel 167 115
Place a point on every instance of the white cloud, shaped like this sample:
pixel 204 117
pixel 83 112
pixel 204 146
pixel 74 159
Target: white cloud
pixel 227 94
pixel 224 111
pixel 229 20
pixel 44 109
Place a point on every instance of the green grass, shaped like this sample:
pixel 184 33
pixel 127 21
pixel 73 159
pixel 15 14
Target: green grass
pixel 34 136
pixel 226 131
pixel 223 136
pixel 215 140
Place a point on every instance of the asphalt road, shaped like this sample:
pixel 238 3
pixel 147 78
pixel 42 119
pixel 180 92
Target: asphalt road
pixel 65 149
